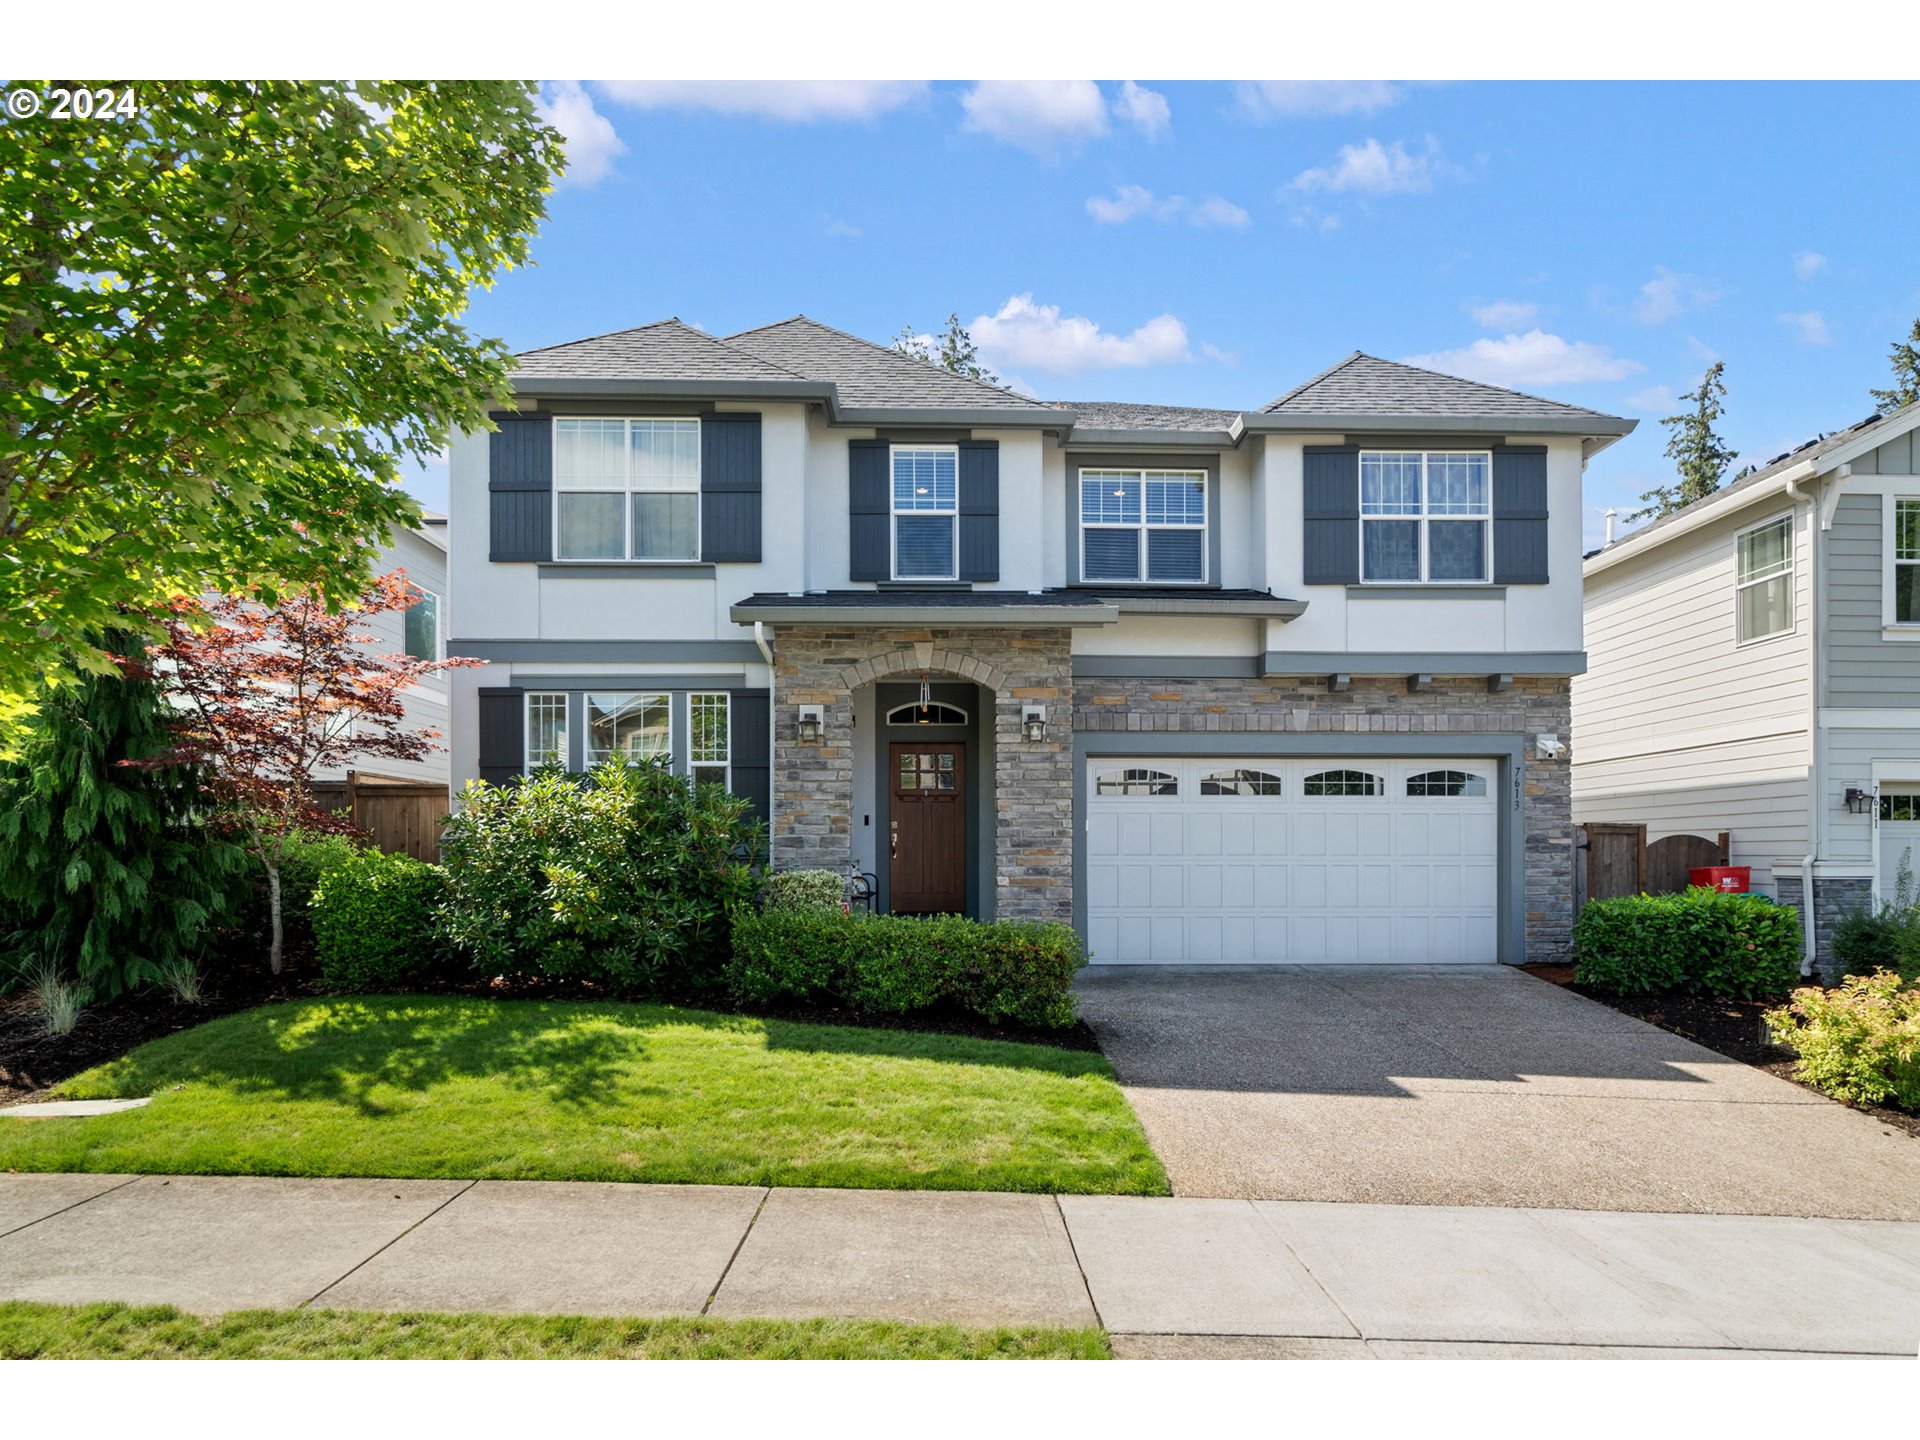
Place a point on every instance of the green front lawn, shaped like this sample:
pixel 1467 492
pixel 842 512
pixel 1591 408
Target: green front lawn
pixel 436 1087
pixel 125 1332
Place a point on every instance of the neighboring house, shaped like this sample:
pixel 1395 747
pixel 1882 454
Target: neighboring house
pixel 420 632
pixel 1288 684
pixel 1753 669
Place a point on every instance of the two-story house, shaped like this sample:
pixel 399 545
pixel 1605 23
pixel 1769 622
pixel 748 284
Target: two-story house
pixel 1753 669
pixel 1284 685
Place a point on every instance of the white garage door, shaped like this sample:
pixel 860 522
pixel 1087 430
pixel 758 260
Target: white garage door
pixel 1345 861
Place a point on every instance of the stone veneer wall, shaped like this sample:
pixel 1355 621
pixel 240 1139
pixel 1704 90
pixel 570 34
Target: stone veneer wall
pixel 1375 705
pixel 1833 897
pixel 1032 783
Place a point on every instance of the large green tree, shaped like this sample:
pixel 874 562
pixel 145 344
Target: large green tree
pixel 952 349
pixel 224 322
pixel 1700 457
pixel 1906 374
pixel 108 872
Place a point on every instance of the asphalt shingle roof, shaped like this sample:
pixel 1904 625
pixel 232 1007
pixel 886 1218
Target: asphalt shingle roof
pixel 870 376
pixel 664 350
pixel 1364 384
pixel 1121 415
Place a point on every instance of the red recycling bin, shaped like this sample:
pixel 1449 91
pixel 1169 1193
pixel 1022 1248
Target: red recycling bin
pixel 1728 879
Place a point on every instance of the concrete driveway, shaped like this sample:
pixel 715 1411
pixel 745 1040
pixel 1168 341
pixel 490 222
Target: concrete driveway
pixel 1469 1085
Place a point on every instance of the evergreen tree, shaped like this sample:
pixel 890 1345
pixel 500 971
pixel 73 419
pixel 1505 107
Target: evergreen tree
pixel 958 353
pixel 106 868
pixel 1700 457
pixel 1906 375
pixel 913 346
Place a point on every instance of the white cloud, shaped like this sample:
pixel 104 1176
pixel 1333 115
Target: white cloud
pixel 1508 315
pixel 1535 358
pixel 1809 263
pixel 1669 294
pixel 839 229
pixel 592 143
pixel 1044 117
pixel 1809 326
pixel 1371 168
pixel 792 100
pixel 1039 337
pixel 1268 99
pixel 1654 400
pixel 1133 202
pixel 1146 110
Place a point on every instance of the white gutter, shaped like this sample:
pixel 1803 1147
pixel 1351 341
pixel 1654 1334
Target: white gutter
pixel 760 639
pixel 1785 482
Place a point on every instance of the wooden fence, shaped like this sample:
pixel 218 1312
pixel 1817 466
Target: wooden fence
pixel 1619 861
pixel 402 816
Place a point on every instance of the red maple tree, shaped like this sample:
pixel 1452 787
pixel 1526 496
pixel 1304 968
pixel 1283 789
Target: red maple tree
pixel 273 694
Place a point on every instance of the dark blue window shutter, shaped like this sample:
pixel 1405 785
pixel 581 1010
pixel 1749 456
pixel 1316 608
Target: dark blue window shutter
pixel 730 488
pixel 979 510
pixel 1330 516
pixel 869 548
pixel 520 488
pixel 751 736
pixel 503 733
pixel 1520 514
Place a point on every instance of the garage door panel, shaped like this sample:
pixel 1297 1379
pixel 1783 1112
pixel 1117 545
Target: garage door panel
pixel 1238 876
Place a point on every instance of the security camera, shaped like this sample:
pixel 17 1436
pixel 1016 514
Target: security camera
pixel 1549 746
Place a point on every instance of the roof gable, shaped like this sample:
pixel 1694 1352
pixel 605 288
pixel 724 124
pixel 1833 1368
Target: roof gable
pixel 664 350
pixel 870 376
pixel 1364 384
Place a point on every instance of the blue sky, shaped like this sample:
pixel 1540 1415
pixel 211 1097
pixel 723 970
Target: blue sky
pixel 1216 243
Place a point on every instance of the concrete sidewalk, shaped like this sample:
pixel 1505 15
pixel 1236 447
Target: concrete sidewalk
pixel 1168 1277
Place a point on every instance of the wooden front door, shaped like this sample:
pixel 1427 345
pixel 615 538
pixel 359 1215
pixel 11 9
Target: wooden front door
pixel 928 823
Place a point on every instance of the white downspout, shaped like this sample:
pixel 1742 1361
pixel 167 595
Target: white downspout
pixel 1816 781
pixel 760 639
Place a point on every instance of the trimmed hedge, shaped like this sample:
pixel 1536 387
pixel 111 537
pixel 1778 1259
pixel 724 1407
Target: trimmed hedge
pixel 1702 941
pixel 892 964
pixel 1859 1043
pixel 374 922
pixel 821 891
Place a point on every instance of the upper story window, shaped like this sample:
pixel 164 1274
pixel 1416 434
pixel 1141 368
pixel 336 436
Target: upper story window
pixel 423 625
pixel 1425 516
pixel 1763 580
pixel 626 489
pixel 1143 525
pixel 926 512
pixel 1906 562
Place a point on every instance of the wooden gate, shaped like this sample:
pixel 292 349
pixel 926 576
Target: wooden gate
pixel 1669 859
pixel 403 817
pixel 1616 861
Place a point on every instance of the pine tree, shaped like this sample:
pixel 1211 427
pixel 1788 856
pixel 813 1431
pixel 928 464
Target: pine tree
pixel 959 354
pixel 1700 456
pixel 1906 375
pixel 913 346
pixel 106 867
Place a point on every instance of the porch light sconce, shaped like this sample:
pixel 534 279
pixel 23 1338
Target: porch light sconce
pixel 1858 801
pixel 1033 720
pixel 812 718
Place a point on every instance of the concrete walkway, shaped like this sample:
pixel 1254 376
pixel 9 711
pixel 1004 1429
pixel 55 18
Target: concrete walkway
pixel 1469 1085
pixel 1172 1277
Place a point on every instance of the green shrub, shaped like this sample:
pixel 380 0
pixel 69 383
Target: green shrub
pixel 374 922
pixel 1701 941
pixel 630 876
pixel 1859 1043
pixel 824 891
pixel 305 859
pixel 1870 940
pixel 894 964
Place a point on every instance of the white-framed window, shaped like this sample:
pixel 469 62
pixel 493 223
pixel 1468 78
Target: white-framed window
pixel 1241 782
pixel 1763 580
pixel 1445 784
pixel 546 729
pixel 710 738
pixel 423 625
pixel 1135 782
pixel 1328 784
pixel 926 512
pixel 635 726
pixel 1143 526
pixel 1903 561
pixel 626 489
pixel 931 713
pixel 1426 517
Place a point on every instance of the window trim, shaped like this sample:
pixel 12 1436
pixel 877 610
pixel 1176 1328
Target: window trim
pixel 1892 627
pixel 586 725
pixel 1792 627
pixel 912 705
pixel 894 513
pixel 564 759
pixel 1143 527
pixel 695 764
pixel 1423 519
pixel 630 490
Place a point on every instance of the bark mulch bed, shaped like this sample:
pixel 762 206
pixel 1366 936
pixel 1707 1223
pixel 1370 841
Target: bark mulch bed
pixel 1729 1027
pixel 32 1061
